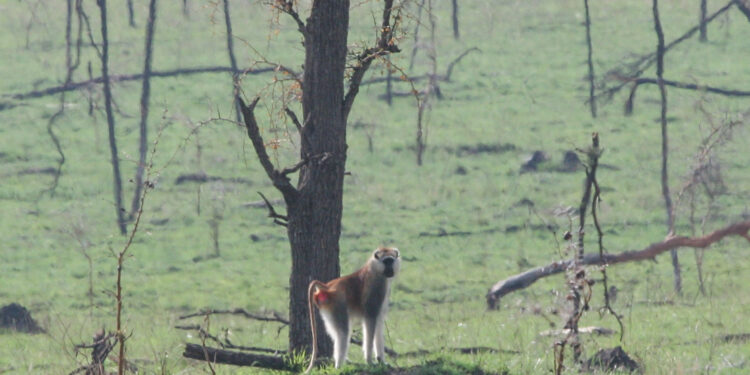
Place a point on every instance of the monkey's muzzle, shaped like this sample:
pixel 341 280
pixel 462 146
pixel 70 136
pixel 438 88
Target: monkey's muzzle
pixel 388 262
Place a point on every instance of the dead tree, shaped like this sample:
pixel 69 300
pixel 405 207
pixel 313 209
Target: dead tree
pixel 704 33
pixel 314 205
pixel 145 94
pixel 131 16
pixel 592 98
pixel 232 59
pixel 69 68
pixel 117 179
pixel 454 17
pixel 665 144
pixel 631 71
pixel 527 278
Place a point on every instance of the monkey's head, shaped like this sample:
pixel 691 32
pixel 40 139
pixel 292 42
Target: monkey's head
pixel 387 260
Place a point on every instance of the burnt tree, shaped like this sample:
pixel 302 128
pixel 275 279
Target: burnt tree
pixel 117 179
pixel 314 205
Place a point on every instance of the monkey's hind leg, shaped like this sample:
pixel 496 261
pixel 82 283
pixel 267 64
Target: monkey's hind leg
pixel 340 334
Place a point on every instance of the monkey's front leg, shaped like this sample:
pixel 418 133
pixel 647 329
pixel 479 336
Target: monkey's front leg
pixel 380 340
pixel 369 326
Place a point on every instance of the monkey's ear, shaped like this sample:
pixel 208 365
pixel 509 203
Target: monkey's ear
pixel 398 254
pixel 375 254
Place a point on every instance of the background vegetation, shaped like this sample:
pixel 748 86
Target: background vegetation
pixel 461 220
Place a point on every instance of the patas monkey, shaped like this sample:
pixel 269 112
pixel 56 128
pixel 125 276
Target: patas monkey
pixel 363 295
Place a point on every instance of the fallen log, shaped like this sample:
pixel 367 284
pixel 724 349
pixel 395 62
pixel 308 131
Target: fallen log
pixel 525 279
pixel 214 355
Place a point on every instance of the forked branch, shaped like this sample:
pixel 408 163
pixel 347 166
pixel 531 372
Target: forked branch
pixel 287 6
pixel 525 279
pixel 385 44
pixel 279 179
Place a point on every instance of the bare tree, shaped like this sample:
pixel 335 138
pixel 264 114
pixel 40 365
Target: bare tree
pixel 702 19
pixel 314 206
pixel 665 144
pixel 232 59
pixel 117 179
pixel 145 93
pixel 131 16
pixel 592 98
pixel 454 16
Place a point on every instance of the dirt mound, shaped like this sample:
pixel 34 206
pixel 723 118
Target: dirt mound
pixel 15 317
pixel 612 359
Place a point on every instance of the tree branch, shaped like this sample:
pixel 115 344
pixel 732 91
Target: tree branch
pixel 680 85
pixel 277 218
pixel 635 69
pixel 525 279
pixel 239 311
pixel 384 45
pixel 130 77
pixel 288 8
pixel 455 61
pixel 279 179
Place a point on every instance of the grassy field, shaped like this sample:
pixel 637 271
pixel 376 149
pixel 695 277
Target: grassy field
pixel 459 219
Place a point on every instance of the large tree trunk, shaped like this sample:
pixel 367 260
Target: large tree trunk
pixel 314 224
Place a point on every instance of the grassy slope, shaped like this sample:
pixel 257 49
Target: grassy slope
pixel 526 88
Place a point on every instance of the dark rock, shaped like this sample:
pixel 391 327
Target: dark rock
pixel 611 360
pixel 15 317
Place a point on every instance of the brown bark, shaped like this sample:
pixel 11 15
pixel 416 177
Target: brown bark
pixel 525 279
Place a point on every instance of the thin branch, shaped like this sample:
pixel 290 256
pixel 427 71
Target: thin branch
pixel 277 218
pixel 130 77
pixel 386 44
pixel 279 179
pixel 525 279
pixel 226 343
pixel 449 70
pixel 288 8
pixel 600 240
pixel 638 67
pixel 592 98
pixel 276 317
pixel 680 85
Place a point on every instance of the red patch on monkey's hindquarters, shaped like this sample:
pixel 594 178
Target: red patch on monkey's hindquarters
pixel 321 297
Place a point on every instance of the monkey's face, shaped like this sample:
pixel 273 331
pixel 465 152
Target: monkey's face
pixel 387 260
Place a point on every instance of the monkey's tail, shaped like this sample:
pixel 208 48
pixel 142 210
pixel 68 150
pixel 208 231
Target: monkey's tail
pixel 310 290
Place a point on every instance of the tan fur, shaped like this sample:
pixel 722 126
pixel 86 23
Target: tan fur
pixel 362 295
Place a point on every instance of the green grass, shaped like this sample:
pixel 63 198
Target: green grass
pixel 526 88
